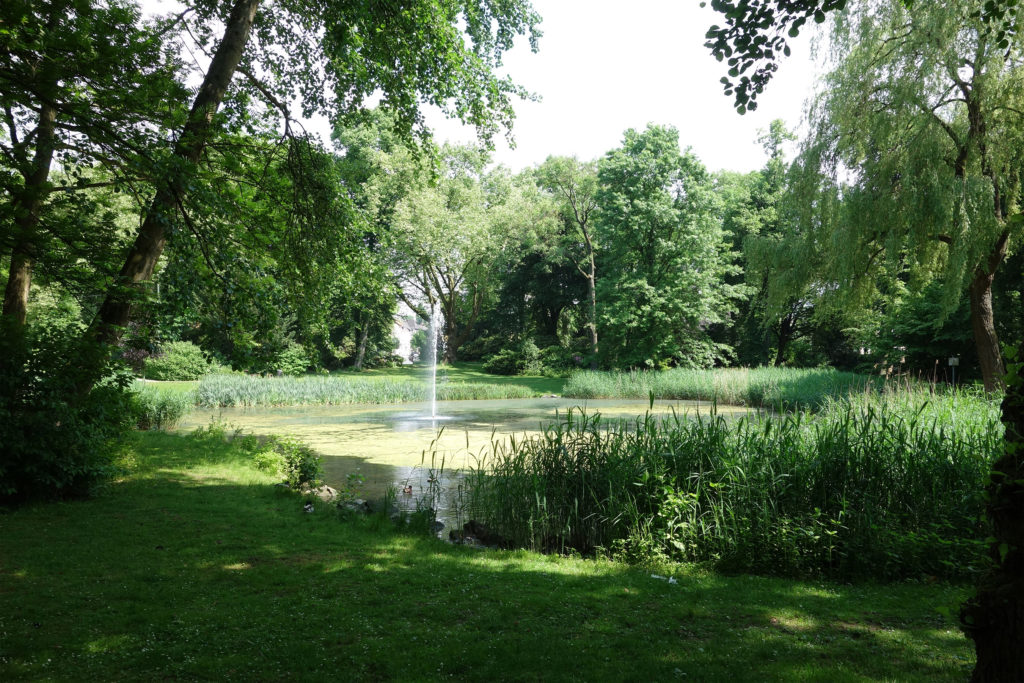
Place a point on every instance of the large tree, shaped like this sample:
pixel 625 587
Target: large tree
pixel 451 239
pixel 914 156
pixel 994 618
pixel 73 97
pixel 332 56
pixel 574 183
pixel 664 256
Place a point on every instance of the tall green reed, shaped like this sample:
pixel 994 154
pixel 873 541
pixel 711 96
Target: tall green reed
pixel 156 409
pixel 248 390
pixel 762 387
pixel 878 487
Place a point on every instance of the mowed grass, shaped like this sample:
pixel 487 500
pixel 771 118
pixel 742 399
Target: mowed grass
pixel 170 388
pixel 196 567
pixel 471 372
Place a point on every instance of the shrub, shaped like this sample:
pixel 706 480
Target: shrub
pixel 482 347
pixel 560 358
pixel 390 360
pixel 55 441
pixel 293 360
pixel 521 361
pixel 180 360
pixel 296 463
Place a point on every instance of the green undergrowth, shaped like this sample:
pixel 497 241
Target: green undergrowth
pixel 883 487
pixel 760 387
pixel 248 390
pixel 195 566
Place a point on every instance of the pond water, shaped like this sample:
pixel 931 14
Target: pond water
pixel 393 445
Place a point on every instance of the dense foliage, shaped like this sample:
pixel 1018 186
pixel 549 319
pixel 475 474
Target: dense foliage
pixel 176 361
pixel 52 447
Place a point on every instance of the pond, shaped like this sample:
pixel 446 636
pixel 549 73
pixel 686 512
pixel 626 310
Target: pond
pixel 396 445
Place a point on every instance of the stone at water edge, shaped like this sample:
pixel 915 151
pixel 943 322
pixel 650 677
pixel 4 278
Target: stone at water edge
pixel 473 532
pixel 324 493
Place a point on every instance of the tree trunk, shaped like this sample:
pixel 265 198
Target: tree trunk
pixel 785 332
pixel 364 334
pixel 986 341
pixel 19 281
pixel 149 244
pixel 452 340
pixel 27 207
pixel 994 618
pixel 592 297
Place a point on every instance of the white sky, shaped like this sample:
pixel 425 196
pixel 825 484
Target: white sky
pixel 604 67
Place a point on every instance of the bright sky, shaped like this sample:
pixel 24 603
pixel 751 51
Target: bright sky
pixel 605 66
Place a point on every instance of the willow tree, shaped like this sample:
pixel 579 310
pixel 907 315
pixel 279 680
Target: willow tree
pixel 913 165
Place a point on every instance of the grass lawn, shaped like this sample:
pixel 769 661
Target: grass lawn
pixel 195 566
pixel 171 388
pixel 468 372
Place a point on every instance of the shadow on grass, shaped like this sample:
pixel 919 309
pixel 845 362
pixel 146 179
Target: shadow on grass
pixel 189 574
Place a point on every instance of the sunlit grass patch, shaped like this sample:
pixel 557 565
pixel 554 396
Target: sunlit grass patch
pixel 197 567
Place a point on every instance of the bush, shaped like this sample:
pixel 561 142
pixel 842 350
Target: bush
pixel 180 360
pixel 521 361
pixel 482 347
pixel 295 462
pixel 390 360
pixel 293 360
pixel 560 358
pixel 55 441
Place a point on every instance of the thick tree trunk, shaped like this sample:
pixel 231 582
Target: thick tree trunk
pixel 785 333
pixel 27 208
pixel 364 334
pixel 994 618
pixel 452 340
pixel 149 244
pixel 986 341
pixel 19 281
pixel 592 297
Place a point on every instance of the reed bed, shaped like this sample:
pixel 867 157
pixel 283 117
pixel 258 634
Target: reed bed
pixel 247 390
pixel 157 409
pixel 883 487
pixel 760 387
